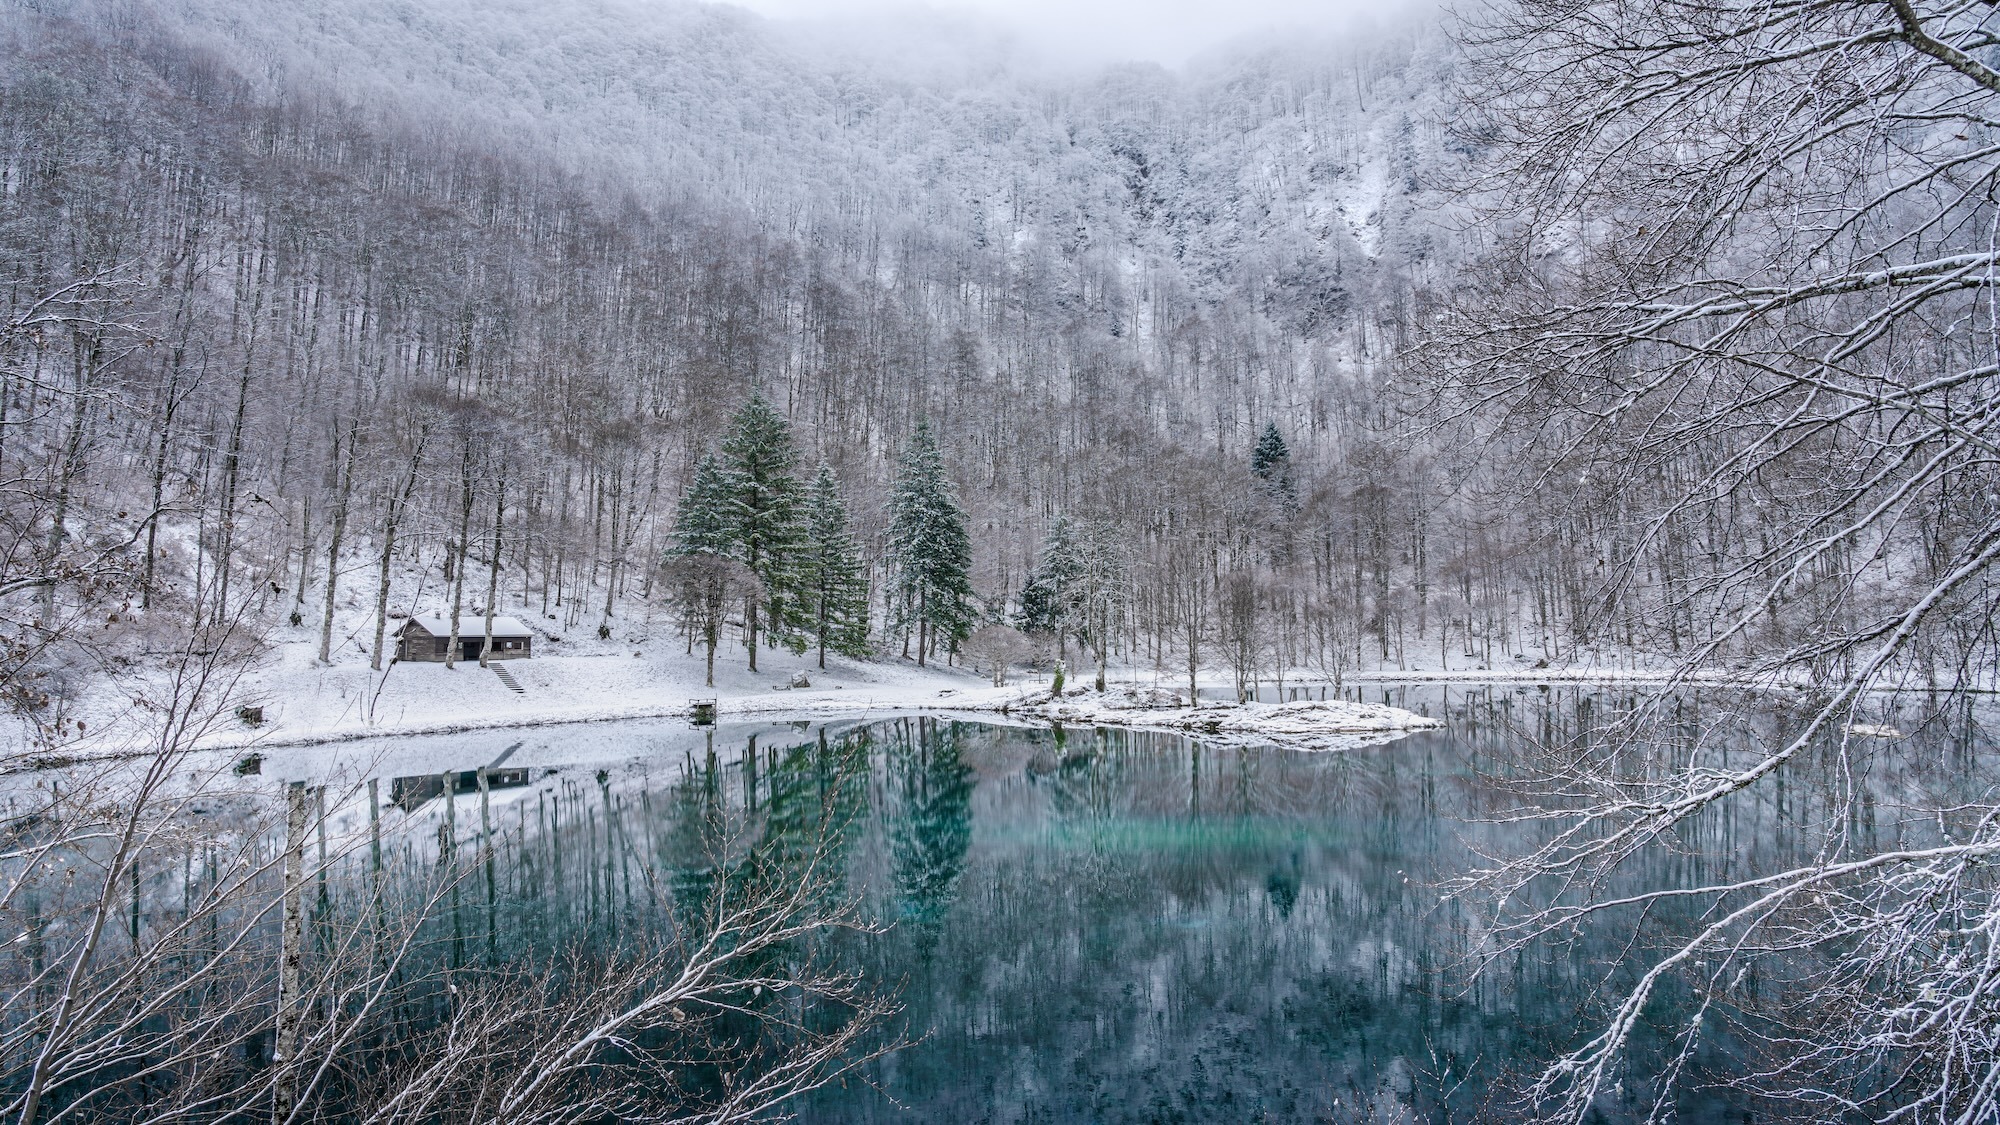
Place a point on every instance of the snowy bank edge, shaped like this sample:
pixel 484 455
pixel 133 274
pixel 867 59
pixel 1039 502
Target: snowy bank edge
pixel 1254 723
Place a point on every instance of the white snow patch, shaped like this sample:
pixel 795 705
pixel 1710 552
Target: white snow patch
pixel 1332 724
pixel 438 624
pixel 1873 730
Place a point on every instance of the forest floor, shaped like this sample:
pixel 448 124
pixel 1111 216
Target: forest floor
pixel 306 703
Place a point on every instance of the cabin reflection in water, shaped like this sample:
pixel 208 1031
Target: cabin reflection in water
pixel 409 792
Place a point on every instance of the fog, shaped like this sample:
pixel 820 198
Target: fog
pixel 1169 32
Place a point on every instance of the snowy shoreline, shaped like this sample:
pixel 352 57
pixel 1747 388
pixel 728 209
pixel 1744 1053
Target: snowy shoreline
pixel 1333 724
pixel 1308 725
pixel 589 681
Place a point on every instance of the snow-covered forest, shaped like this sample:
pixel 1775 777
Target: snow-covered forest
pixel 373 283
pixel 285 278
pixel 1637 335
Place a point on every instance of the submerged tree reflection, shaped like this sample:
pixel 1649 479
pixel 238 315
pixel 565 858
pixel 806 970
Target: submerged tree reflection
pixel 930 827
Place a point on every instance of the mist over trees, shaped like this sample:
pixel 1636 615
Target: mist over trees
pixel 1589 332
pixel 258 330
pixel 288 289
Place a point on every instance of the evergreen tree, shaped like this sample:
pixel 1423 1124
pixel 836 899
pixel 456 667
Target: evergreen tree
pixel 932 553
pixel 1277 500
pixel 1048 599
pixel 701 522
pixel 835 586
pixel 1271 462
pixel 767 522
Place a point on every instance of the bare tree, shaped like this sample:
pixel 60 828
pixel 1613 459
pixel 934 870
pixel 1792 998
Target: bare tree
pixel 703 586
pixel 995 648
pixel 345 452
pixel 177 965
pixel 1745 288
pixel 394 512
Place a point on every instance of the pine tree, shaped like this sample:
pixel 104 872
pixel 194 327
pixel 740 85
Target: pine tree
pixel 932 553
pixel 766 521
pixel 701 522
pixel 1048 599
pixel 1271 462
pixel 835 585
pixel 1099 591
pixel 1277 501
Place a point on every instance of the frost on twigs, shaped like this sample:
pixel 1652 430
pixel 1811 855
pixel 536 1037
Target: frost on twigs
pixel 358 933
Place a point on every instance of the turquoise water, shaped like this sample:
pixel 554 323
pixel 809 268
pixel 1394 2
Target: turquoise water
pixel 1093 925
pixel 1114 927
pixel 1082 925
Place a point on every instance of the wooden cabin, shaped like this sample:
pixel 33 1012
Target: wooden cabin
pixel 427 637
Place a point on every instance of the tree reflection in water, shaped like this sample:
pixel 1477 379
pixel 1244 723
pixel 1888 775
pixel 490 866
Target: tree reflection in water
pixel 929 821
pixel 1118 926
pixel 1094 925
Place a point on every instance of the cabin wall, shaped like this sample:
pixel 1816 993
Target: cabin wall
pixel 426 649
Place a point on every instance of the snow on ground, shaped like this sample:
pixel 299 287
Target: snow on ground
pixel 305 704
pixel 593 680
pixel 577 682
pixel 643 670
pixel 1333 724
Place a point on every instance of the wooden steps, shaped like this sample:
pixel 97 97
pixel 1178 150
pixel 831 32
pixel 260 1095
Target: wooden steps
pixel 507 678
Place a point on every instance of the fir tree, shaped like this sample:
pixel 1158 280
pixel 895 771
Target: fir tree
pixel 1277 502
pixel 701 522
pixel 766 521
pixel 1271 462
pixel 932 553
pixel 835 586
pixel 1048 599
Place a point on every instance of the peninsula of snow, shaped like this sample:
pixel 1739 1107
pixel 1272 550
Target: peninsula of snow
pixel 1330 724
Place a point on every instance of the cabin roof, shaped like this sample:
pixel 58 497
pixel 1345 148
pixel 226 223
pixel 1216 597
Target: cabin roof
pixel 469 625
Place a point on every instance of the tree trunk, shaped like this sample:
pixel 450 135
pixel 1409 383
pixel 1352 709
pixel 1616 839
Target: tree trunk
pixel 493 570
pixel 67 467
pixel 291 954
pixel 343 487
pixel 461 550
pixel 232 468
pixel 305 561
pixel 167 410
pixel 398 505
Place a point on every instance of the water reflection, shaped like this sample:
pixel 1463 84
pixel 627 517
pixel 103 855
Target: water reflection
pixel 1088 924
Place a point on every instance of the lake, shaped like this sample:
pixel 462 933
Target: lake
pixel 1072 925
pixel 1111 926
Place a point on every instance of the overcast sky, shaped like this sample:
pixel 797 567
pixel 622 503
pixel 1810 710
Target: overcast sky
pixel 1164 31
